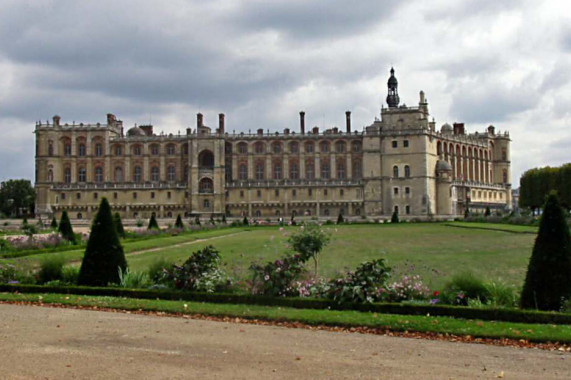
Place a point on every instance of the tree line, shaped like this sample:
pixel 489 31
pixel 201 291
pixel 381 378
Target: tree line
pixel 537 183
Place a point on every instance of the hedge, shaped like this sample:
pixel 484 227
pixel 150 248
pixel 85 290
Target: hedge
pixel 486 314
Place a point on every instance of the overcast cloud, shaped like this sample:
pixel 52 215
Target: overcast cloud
pixel 481 62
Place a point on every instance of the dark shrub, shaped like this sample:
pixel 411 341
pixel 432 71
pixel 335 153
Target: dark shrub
pixel 340 219
pixel 51 268
pixel 159 269
pixel 548 280
pixel 395 217
pixel 178 223
pixel 197 220
pixel 487 212
pixel 53 224
pixel 119 225
pixel 276 278
pixel 153 225
pixel 245 221
pixel 463 287
pixel 65 228
pixel 104 254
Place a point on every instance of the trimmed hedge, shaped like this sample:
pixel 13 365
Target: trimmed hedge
pixel 505 315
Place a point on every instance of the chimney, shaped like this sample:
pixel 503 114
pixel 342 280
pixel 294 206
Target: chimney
pixel 199 120
pixel 188 131
pixel 56 119
pixel 111 119
pixel 221 123
pixel 286 131
pixel 148 129
pixel 491 130
pixel 260 131
pixel 315 130
pixel 458 128
pixel 348 120
pixel 302 122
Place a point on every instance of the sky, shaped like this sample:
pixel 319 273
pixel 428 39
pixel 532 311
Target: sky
pixel 505 63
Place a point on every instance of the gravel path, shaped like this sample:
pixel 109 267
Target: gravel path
pixel 53 343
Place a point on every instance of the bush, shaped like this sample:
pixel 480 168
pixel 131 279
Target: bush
pixel 308 242
pixel 133 280
pixel 463 287
pixel 104 254
pixel 53 224
pixel 119 225
pixel 395 217
pixel 70 274
pixel 65 228
pixel 153 225
pixel 501 295
pixel 50 268
pixel 276 278
pixel 340 219
pixel 408 288
pixel 197 220
pixel 548 280
pixel 178 223
pixel 487 212
pixel 245 221
pixel 159 269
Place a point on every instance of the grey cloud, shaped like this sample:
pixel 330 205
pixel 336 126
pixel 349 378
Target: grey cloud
pixel 462 10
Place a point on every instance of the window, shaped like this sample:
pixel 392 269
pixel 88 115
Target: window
pixel 356 146
pixel 170 149
pixel 277 148
pixel 81 150
pixel 341 192
pixel 152 195
pixel 243 171
pixel 325 192
pixel 396 209
pixel 407 171
pixel 79 216
pixel 407 209
pixel 293 147
pixel 504 154
pixel 67 149
pixel 259 147
pixel 137 150
pixel 310 192
pixel 340 147
pixel 98 150
pixel 171 173
pixel 155 174
pixel 241 193
pixel 505 176
pixel 294 193
pixel 309 147
pixel 357 169
pixel 396 191
pixel 309 170
pixel 258 214
pixel 206 160
pixel 326 212
pixel 82 174
pixel 137 174
pixel 78 196
pixel 115 195
pixel 134 195
pixel 185 149
pixel 293 170
pixel 206 203
pixel 50 175
pixel 95 196
pixel 395 144
pixel 405 143
pixel 62 196
pixel 50 148
pixel 99 174
pixel 185 173
pixel 67 175
pixel 154 150
pixel 206 186
pixel 259 193
pixel 325 172
pixel 407 190
pixel 118 150
pixel 277 192
pixel 324 147
pixel 242 148
pixel 277 170
pixel 118 174
pixel 341 170
pixel 260 170
pixel 395 171
pixel 169 195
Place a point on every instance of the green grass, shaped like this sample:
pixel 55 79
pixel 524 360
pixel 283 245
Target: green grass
pixel 444 325
pixel 433 250
pixel 496 226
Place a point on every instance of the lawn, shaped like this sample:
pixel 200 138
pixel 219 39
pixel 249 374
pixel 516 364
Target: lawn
pixel 435 251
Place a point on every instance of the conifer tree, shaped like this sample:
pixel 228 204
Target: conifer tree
pixel 53 224
pixel 65 228
pixel 178 223
pixel 104 255
pixel 548 280
pixel 395 217
pixel 466 213
pixel 119 225
pixel 340 219
pixel 245 221
pixel 197 220
pixel 224 218
pixel 153 225
pixel 487 212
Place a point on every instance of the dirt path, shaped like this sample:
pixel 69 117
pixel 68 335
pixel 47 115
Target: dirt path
pixel 52 343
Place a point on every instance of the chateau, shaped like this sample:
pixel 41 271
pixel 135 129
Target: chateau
pixel 401 161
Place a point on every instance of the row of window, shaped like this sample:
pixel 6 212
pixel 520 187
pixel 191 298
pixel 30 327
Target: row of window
pixel 119 176
pixel 294 193
pixel 295 213
pixel 294 170
pixel 396 190
pixel 395 144
pixel 136 150
pixel 294 147
pixel 115 196
pixel 406 209
pixel 406 171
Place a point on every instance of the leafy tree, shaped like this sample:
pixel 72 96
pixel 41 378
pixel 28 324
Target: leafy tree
pixel 65 228
pixel 308 242
pixel 487 212
pixel 53 224
pixel 17 196
pixel 537 183
pixel 119 225
pixel 104 258
pixel 548 280
pixel 245 221
pixel 153 225
pixel 178 223
pixel 340 219
pixel 395 217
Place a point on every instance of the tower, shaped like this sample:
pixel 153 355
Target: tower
pixel 393 96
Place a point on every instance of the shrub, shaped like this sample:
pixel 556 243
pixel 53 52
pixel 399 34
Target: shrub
pixel 153 225
pixel 133 280
pixel 53 224
pixel 197 220
pixel 501 295
pixel 276 278
pixel 224 218
pixel 139 222
pixel 466 213
pixel 178 223
pixel 548 280
pixel 395 217
pixel 308 242
pixel 487 212
pixel 119 225
pixel 158 270
pixel 50 268
pixel 408 288
pixel 200 272
pixel 8 274
pixel 245 221
pixel 104 254
pixel 70 274
pixel 340 219
pixel 463 287
pixel 366 284
pixel 65 228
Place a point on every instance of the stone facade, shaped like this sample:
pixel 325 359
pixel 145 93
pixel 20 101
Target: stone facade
pixel 399 162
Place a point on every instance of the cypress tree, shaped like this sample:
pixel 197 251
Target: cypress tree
pixel 245 221
pixel 53 224
pixel 548 280
pixel 395 217
pixel 487 212
pixel 197 220
pixel 104 254
pixel 466 213
pixel 224 218
pixel 119 225
pixel 153 225
pixel 178 223
pixel 65 228
pixel 340 219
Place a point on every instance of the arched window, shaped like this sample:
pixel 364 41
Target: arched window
pixel 260 170
pixel 50 148
pixel 309 169
pixel 98 150
pixel 258 214
pixel 407 171
pixel 81 150
pixel 206 186
pixel 340 146
pixel 395 171
pixel 341 169
pixel 505 176
pixel 82 175
pixel 154 150
pixel 277 148
pixel 185 175
pixel 396 209
pixel 155 174
pixel 99 174
pixel 137 174
pixel 325 170
pixel 407 209
pixel 118 174
pixel 324 146
pixel 293 170
pixel 243 171
pixel 259 147
pixel 118 150
pixel 206 160
pixel 309 147
pixel 293 147
pixel 137 150
pixel 170 149
pixel 67 175
pixel 357 171
pixel 67 149
pixel 50 175
pixel 356 146
pixel 206 203
pixel 79 216
pixel 277 170
pixel 242 148
pixel 185 149
pixel 171 173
